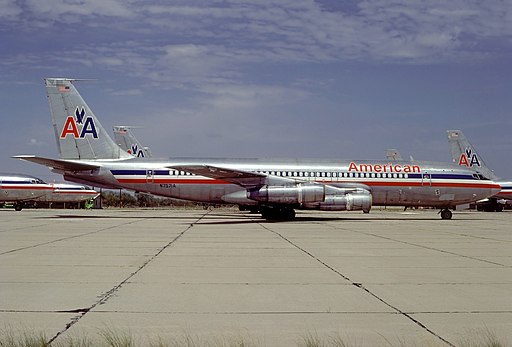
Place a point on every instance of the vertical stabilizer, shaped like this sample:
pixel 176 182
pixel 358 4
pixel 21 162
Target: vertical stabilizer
pixel 464 154
pixel 393 154
pixel 125 139
pixel 78 132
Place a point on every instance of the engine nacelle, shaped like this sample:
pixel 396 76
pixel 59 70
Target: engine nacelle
pixel 358 200
pixel 348 202
pixel 299 194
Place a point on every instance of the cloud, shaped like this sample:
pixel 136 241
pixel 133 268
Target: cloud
pixel 127 92
pixel 244 97
pixel 69 10
pixel 9 9
pixel 35 142
pixel 197 44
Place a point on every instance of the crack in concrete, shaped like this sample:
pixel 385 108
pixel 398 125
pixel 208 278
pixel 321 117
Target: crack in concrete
pixel 65 238
pixel 426 247
pixel 361 286
pixel 106 296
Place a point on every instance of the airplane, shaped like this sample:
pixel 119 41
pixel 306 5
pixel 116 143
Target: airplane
pixel 276 187
pixel 125 139
pixel 20 189
pixel 393 155
pixel 465 154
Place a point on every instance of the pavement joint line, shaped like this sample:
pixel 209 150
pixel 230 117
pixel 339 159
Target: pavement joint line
pixel 422 246
pixel 67 238
pixel 361 286
pixel 476 237
pixel 25 228
pixel 106 296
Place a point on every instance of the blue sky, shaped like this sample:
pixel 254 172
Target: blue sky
pixel 282 78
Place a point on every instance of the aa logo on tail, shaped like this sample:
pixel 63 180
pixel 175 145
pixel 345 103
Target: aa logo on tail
pixel 79 126
pixel 136 151
pixel 469 159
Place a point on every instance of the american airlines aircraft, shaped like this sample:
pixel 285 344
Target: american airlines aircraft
pixel 464 154
pixel 125 139
pixel 276 187
pixel 21 189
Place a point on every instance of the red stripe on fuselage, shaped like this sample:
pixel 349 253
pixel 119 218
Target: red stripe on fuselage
pixel 26 187
pixel 171 181
pixel 75 192
pixel 433 184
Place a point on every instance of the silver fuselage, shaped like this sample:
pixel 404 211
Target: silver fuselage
pixel 506 190
pixel 390 183
pixel 23 188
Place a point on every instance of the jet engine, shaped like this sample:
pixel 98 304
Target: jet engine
pixel 298 194
pixel 353 200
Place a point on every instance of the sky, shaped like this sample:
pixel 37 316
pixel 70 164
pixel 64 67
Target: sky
pixel 245 78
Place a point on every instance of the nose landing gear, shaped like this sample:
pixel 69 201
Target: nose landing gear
pixel 446 214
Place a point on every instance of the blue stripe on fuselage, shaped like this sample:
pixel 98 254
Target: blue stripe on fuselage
pixel 443 176
pixel 139 172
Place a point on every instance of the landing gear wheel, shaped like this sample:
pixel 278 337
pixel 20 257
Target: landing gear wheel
pixel 18 207
pixel 288 213
pixel 446 214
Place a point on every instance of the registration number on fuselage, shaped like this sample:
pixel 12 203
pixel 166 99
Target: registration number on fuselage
pixel 167 185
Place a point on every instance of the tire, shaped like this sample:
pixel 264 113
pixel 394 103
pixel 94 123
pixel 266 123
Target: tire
pixel 446 214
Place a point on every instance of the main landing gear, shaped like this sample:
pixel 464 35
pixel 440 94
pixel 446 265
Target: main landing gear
pixel 446 214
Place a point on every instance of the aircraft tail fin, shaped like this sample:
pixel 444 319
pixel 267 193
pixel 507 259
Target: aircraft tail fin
pixel 125 139
pixel 393 154
pixel 464 154
pixel 78 132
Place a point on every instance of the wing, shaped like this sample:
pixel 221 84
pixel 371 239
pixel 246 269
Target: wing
pixel 58 164
pixel 250 179
pixel 246 179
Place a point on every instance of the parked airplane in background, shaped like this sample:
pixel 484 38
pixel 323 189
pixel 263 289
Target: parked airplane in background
pixel 21 189
pixel 276 187
pixel 464 154
pixel 393 155
pixel 125 139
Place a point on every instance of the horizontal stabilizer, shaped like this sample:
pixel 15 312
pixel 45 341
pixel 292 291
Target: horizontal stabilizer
pixel 58 164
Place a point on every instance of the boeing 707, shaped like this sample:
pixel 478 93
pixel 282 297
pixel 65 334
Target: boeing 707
pixel 275 187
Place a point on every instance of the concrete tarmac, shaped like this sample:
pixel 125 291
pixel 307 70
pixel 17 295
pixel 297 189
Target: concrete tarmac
pixel 384 278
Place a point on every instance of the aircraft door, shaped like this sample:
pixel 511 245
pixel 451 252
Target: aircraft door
pixel 150 176
pixel 426 179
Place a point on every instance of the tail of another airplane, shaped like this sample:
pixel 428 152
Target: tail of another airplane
pixel 78 132
pixel 127 141
pixel 464 154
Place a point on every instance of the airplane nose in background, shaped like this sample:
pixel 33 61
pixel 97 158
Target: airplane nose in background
pixel 495 189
